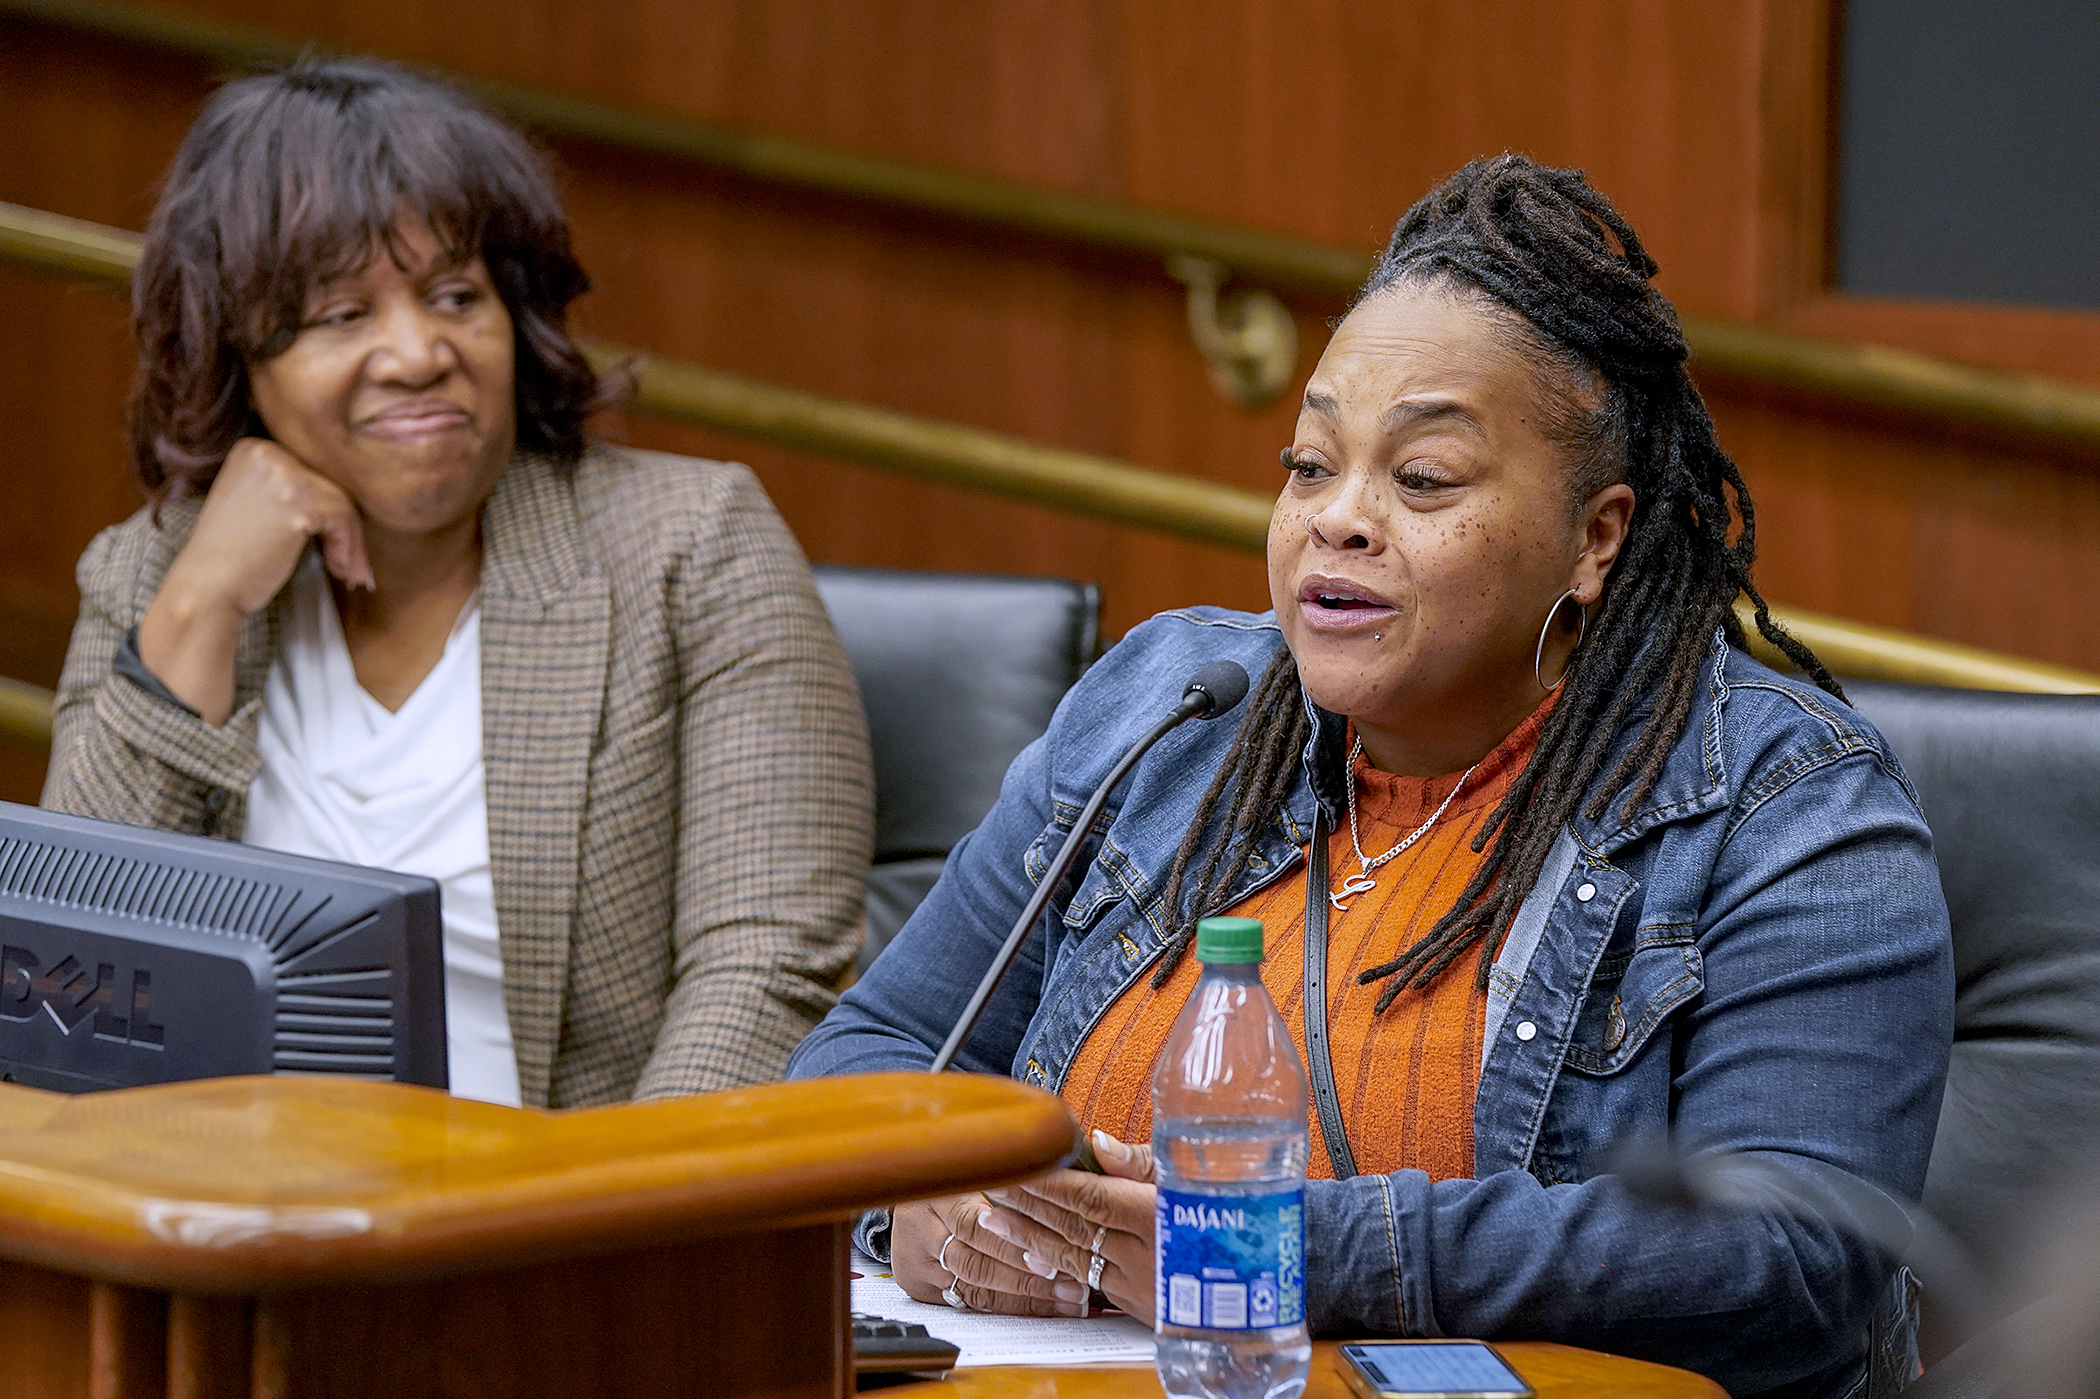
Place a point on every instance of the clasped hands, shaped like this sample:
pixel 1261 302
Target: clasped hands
pixel 1027 1250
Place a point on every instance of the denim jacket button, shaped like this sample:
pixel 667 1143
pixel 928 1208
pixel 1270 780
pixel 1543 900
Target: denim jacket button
pixel 1526 1030
pixel 1586 893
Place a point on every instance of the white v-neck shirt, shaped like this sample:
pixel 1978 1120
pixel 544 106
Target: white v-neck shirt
pixel 344 779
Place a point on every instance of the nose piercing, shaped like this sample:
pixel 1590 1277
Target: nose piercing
pixel 1311 531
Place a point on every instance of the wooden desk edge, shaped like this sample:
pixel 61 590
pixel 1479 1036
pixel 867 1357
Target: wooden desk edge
pixel 1555 1371
pixel 919 1137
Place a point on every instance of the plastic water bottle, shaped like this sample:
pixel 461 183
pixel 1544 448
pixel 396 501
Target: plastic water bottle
pixel 1229 1146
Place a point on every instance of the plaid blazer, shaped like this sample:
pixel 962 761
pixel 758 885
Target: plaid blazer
pixel 676 762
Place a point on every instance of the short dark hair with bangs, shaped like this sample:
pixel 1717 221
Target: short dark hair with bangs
pixel 292 177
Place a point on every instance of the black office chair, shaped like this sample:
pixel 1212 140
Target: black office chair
pixel 959 673
pixel 2011 788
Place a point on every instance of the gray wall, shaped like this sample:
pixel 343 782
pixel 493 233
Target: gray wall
pixel 1969 162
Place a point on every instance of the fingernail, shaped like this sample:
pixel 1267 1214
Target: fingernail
pixel 1069 1291
pixel 1041 1267
pixel 993 1224
pixel 1078 1309
pixel 1105 1145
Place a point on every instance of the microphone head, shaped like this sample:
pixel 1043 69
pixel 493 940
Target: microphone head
pixel 1223 683
pixel 1653 1169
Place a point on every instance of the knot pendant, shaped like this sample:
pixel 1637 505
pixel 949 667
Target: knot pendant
pixel 1352 886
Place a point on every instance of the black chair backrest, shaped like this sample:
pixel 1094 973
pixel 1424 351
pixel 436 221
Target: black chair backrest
pixel 2011 788
pixel 959 673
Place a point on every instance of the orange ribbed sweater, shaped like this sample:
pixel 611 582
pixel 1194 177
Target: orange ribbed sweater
pixel 1405 1079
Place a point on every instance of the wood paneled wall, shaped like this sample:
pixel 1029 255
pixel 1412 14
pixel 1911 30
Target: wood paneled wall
pixel 1322 118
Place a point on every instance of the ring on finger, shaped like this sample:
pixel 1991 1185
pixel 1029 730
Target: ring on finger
pixel 1095 1262
pixel 954 1298
pixel 940 1260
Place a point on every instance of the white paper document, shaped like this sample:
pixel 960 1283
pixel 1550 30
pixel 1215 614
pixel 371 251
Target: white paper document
pixel 1004 1340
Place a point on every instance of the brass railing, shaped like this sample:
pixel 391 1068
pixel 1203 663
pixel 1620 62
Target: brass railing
pixel 1268 257
pixel 2030 407
pixel 944 452
pixel 999 465
pixel 25 714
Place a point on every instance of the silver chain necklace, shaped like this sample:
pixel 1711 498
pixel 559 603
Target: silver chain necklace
pixel 1362 883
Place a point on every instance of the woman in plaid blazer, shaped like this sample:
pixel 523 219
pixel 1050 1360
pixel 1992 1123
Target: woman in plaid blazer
pixel 350 317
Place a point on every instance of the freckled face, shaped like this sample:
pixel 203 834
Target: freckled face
pixel 1442 519
pixel 399 387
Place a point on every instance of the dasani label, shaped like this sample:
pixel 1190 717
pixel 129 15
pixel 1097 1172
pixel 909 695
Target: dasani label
pixel 1231 1262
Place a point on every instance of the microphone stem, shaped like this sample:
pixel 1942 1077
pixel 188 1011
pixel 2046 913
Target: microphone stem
pixel 1189 708
pixel 1904 1233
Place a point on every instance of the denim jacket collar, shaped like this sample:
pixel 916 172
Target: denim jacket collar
pixel 1693 780
pixel 1126 867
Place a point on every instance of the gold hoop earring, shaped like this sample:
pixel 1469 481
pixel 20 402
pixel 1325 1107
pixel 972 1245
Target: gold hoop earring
pixel 1582 629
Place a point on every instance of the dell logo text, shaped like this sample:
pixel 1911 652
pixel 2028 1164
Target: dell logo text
pixel 71 995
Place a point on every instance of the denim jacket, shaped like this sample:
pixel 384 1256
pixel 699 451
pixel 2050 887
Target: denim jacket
pixel 1768 923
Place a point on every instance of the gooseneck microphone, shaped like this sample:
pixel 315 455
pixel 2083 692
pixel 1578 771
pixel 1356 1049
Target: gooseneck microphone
pixel 1211 691
pixel 1655 1169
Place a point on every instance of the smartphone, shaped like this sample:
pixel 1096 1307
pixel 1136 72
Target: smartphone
pixel 1429 1370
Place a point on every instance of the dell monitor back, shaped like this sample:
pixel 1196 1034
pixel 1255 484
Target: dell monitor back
pixel 132 956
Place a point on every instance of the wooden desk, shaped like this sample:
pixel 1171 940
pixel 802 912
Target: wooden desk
pixel 1556 1372
pixel 307 1238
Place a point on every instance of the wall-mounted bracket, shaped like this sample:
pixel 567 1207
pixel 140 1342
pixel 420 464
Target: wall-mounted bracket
pixel 1248 339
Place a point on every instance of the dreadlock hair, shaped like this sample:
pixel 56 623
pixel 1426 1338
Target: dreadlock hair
pixel 1567 282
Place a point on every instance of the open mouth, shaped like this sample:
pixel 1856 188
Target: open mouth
pixel 1339 595
pixel 1326 603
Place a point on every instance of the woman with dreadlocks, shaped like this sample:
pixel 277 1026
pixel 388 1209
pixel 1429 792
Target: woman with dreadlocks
pixel 1546 861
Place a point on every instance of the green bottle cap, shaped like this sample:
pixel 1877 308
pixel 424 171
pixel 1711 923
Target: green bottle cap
pixel 1228 940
